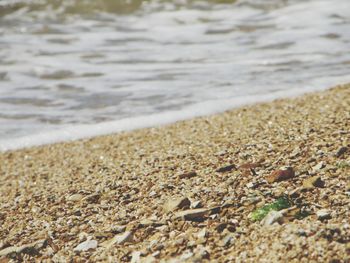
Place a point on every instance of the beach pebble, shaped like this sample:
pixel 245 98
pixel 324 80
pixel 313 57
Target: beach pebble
pixel 314 181
pixel 30 249
pixel 75 198
pixel 119 240
pixel 341 151
pixel 323 214
pixel 192 214
pixel 202 233
pixel 249 166
pixel 136 256
pixel 226 168
pixel 226 241
pixel 176 203
pixel 86 245
pixel 281 175
pixel 196 204
pixel 118 229
pixel 319 166
pixel 271 218
pixel 250 185
pixel 152 194
pixel 187 175
pixel 123 238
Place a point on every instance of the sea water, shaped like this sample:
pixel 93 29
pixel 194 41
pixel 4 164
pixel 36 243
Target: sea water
pixel 71 69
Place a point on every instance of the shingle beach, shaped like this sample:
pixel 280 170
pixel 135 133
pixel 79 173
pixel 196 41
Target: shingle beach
pixel 263 183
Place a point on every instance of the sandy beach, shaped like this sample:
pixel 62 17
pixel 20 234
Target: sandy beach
pixel 190 191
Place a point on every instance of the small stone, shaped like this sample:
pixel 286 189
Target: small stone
pixel 226 168
pixel 192 214
pixel 323 214
pixel 150 222
pixel 136 257
pixel 186 255
pixel 248 166
pixel 226 241
pixel 119 239
pixel 8 251
pixel 118 229
pixel 75 198
pixel 281 175
pixel 318 166
pixel 30 249
pixel 203 233
pixel 152 194
pixel 93 198
pixel 314 181
pixel 124 238
pixel 176 203
pixel 221 227
pixel 250 185
pixel 196 204
pixel 341 151
pixel 187 175
pixel 200 254
pixel 272 217
pixel 86 245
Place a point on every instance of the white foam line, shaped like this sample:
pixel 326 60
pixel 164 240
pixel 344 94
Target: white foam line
pixel 201 109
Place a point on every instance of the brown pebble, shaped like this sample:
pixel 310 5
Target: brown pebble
pixel 280 175
pixel 248 166
pixel 192 214
pixel 187 175
pixel 226 168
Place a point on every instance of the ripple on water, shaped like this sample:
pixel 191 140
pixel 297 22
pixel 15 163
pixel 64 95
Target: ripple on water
pixel 4 76
pixel 54 74
pixel 27 101
pixel 100 100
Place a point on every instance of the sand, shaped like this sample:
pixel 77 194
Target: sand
pixel 189 191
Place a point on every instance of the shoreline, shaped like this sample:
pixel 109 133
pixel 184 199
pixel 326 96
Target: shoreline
pixel 111 198
pixel 198 110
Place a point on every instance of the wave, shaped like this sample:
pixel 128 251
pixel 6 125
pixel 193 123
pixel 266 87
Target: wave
pixel 206 108
pixel 96 6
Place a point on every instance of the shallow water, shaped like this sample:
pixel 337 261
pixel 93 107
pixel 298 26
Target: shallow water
pixel 117 65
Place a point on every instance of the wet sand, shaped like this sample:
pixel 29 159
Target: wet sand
pixel 189 191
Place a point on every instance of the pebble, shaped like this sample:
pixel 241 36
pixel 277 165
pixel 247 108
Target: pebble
pixel 86 245
pixel 323 214
pixel 341 151
pixel 192 214
pixel 202 233
pixel 250 185
pixel 119 240
pixel 136 257
pixel 312 182
pixel 152 194
pixel 176 203
pixel 118 229
pixel 319 166
pixel 271 218
pixel 123 238
pixel 196 204
pixel 187 175
pixel 226 241
pixel 281 175
pixel 75 197
pixel 31 248
pixel 226 168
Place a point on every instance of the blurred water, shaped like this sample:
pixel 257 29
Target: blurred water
pixel 69 62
